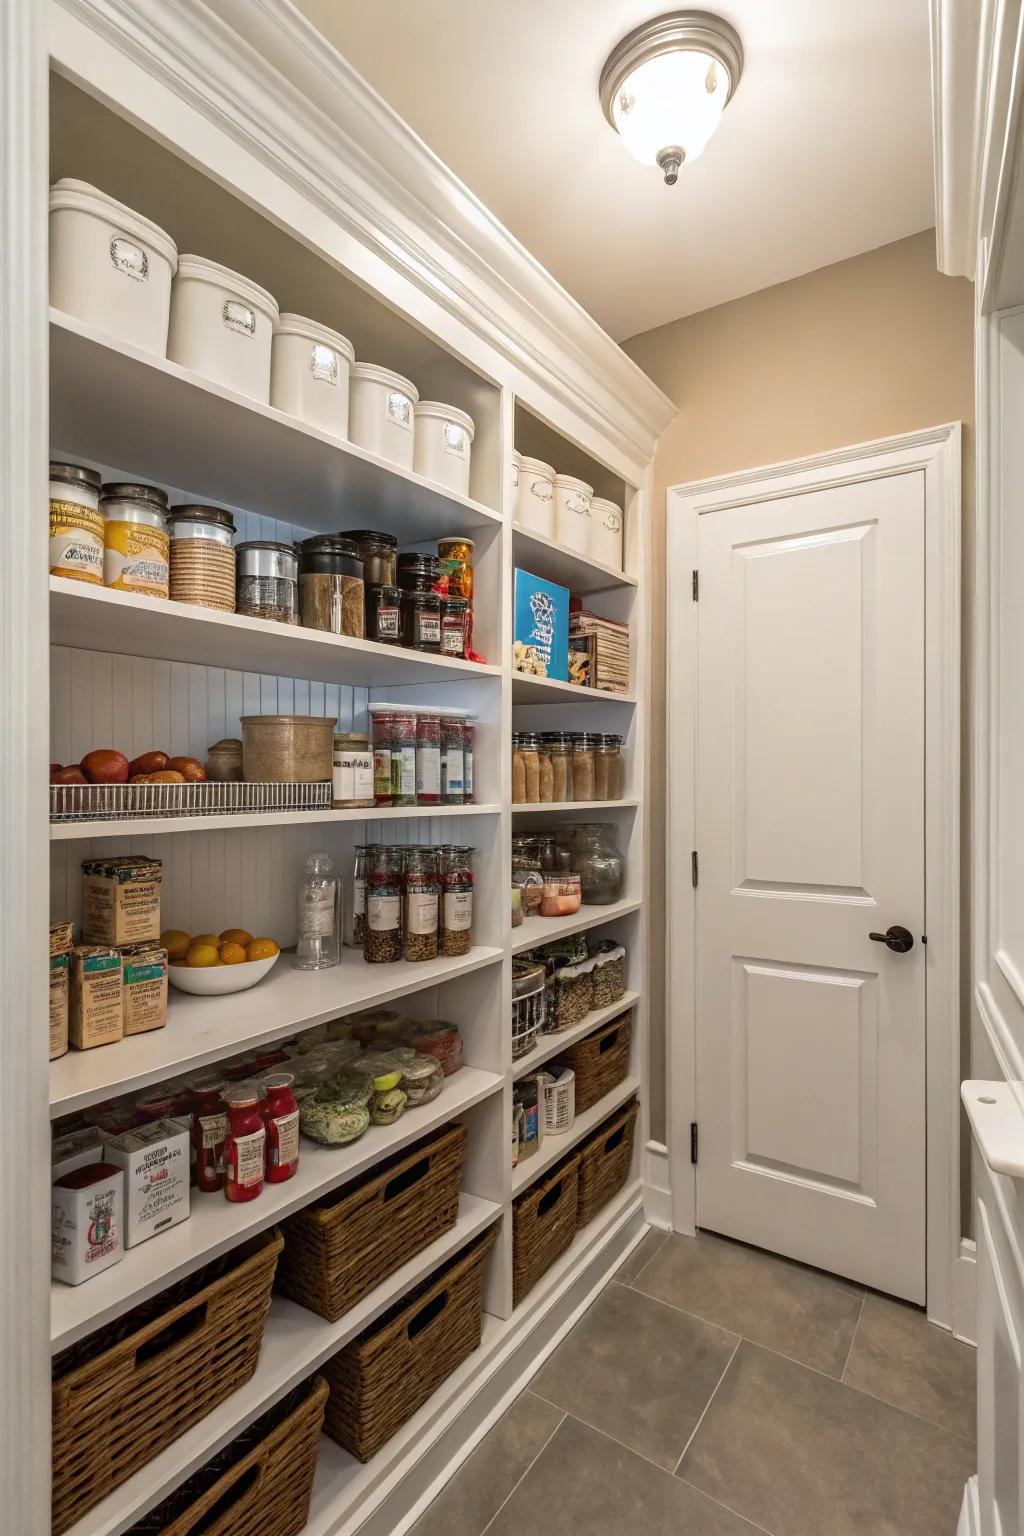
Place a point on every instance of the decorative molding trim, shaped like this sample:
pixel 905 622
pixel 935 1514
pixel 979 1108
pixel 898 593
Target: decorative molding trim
pixel 957 118
pixel 970 1513
pixel 657 1186
pixel 311 119
pixel 965 1293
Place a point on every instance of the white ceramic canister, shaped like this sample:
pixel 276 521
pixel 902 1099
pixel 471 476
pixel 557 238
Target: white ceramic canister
pixel 444 436
pixel 381 412
pixel 572 513
pixel 606 532
pixel 222 326
pixel 535 503
pixel 309 373
pixel 110 266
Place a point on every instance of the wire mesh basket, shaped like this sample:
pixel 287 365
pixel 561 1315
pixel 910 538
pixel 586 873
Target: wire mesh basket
pixel 528 1005
pixel 559 1101
pixel 121 802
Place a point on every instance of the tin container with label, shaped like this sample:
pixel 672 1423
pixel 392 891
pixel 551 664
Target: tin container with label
pixel 76 524
pixel 353 771
pixel 136 547
pixel 202 560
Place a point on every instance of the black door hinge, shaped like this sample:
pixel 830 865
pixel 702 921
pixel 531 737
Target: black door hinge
pixel 693 1141
pixel 696 586
pixel 694 868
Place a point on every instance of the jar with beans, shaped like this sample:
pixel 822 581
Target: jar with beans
pixel 331 586
pixel 457 900
pixel 453 750
pixel 428 757
pixel 607 767
pixel 379 552
pixel 422 903
pixel 583 766
pixel 382 718
pixel 268 581
pixel 382 941
pixel 404 725
pixel 384 614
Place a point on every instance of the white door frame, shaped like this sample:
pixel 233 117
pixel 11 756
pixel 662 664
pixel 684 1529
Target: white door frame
pixel 936 451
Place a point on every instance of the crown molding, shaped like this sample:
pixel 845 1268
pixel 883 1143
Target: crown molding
pixel 263 75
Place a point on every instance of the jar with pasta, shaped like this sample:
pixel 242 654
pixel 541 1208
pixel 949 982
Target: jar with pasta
pixel 457 900
pixel 382 939
pixel 582 766
pixel 558 745
pixel 607 767
pixel 422 903
pixel 525 769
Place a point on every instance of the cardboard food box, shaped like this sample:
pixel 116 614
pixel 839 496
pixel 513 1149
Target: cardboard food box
pixel 96 1012
pixel 86 1208
pixel 60 975
pixel 155 1162
pixel 60 938
pixel 540 633
pixel 145 987
pixel 121 900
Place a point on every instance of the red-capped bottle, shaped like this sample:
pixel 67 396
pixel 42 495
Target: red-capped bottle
pixel 281 1117
pixel 245 1143
pixel 209 1131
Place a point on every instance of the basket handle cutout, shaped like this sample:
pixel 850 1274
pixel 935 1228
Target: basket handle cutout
pixel 608 1041
pixel 615 1139
pixel 425 1316
pixel 549 1199
pixel 182 1328
pixel 406 1179
pixel 211 1518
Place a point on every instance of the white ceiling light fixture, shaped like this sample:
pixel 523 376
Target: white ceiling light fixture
pixel 666 85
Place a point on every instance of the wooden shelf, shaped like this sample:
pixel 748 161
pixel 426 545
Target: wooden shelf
pixel 99 619
pixel 154 826
pixel 566 567
pixel 112 403
pixel 201 1030
pixel 549 690
pixel 542 930
pixel 215 1226
pixel 554 1147
pixel 551 1045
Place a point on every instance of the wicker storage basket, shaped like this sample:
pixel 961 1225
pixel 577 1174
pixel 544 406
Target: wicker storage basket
pixel 381 1378
pixel 337 1250
pixel 605 1160
pixel 132 1387
pixel 600 1061
pixel 259 1485
pixel 543 1225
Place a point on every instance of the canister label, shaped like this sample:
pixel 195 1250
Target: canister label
pixel 399 409
pixel 129 258
pixel 454 439
pixel 324 363
pixel 136 558
pixel 76 542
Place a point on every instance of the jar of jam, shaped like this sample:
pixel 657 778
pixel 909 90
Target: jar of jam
pixel 418 573
pixel 281 1118
pixel 454 625
pixel 382 718
pixel 421 621
pixel 209 1132
pixel 244 1144
pixel 384 614
pixel 380 555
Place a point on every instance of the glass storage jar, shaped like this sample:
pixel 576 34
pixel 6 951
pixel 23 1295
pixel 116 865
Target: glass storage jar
pixel 281 1118
pixel 528 878
pixel 379 552
pixel 582 766
pixel 384 614
pixel 545 774
pixel 525 769
pixel 453 757
pixel 454 625
pixel 421 621
pixel 456 560
pixel 457 899
pixel 361 853
pixel 244 1161
pixel 561 894
pixel 202 559
pixel 135 541
pixel 352 786
pixel 558 745
pixel 382 940
pixel 418 573
pixel 469 756
pixel 404 725
pixel 428 757
pixel 331 586
pixel 602 868
pixel 422 903
pixel 268 581
pixel 381 740
pixel 607 767
pixel 209 1130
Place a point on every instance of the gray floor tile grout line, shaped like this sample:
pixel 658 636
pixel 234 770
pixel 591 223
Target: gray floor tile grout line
pixel 704 1410
pixel 540 1453
pixel 853 1340
pixel 754 1525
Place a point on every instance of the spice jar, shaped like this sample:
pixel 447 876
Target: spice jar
pixel 607 767
pixel 384 614
pixel 404 723
pixel 422 903
pixel 456 560
pixel 382 940
pixel 268 581
pixel 281 1118
pixel 352 785
pixel 379 555
pixel 428 757
pixel 453 756
pixel 457 901
pixel 76 524
pixel 209 1131
pixel 381 735
pixel 331 586
pixel 582 766
pixel 468 759
pixel 202 560
pixel 244 1144
pixel 418 573
pixel 135 542
pixel 454 625
pixel 559 749
pixel 421 621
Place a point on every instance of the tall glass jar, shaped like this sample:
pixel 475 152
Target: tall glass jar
pixel 428 757
pixel 319 915
pixel 601 867
pixel 361 852
pixel 526 771
pixel 244 1163
pixel 422 903
pixel 404 725
pixel 382 941
pixel 281 1118
pixel 470 760
pixel 331 586
pixel 453 757
pixel 559 750
pixel 607 767
pixel 209 1129
pixel 457 900
pixel 545 776
pixel 582 767
pixel 381 741
pixel 379 552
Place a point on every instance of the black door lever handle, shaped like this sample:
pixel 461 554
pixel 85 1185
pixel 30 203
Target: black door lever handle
pixel 898 939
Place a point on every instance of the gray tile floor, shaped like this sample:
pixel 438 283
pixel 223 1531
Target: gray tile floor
pixel 714 1390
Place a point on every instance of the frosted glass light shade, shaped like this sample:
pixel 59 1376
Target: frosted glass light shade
pixel 675 100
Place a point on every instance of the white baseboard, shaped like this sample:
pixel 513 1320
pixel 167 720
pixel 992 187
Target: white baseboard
pixel 657 1190
pixel 970 1513
pixel 965 1293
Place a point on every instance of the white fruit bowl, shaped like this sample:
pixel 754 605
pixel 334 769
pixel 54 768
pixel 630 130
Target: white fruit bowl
pixel 219 980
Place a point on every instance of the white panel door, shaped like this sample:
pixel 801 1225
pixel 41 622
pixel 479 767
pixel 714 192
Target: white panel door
pixel 810 833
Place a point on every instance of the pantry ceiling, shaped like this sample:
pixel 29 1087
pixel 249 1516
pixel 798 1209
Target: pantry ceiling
pixel 824 152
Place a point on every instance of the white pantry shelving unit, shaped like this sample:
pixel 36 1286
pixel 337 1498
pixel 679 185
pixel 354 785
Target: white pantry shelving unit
pixel 237 129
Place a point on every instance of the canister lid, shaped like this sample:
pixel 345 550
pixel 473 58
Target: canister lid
pixel 264 557
pixel 75 474
pixel 571 483
pixel 239 286
pixel 369 536
pixel 194 513
pixel 373 373
pixel 127 490
pixel 83 197
pixel 312 330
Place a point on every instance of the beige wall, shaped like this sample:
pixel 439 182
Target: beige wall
pixel 872 346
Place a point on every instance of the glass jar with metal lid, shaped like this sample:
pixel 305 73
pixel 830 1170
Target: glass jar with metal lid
pixel 268 581
pixel 558 745
pixel 331 585
pixel 418 573
pixel 384 614
pixel 421 620
pixel 202 559
pixel 607 767
pixel 76 524
pixel 525 768
pixel 454 625
pixel 135 542
pixel 422 904
pixel 583 766
pixel 379 552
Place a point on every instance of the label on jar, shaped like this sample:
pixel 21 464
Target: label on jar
pixel 428 771
pixel 452 782
pixel 421 912
pixel 353 776
pixel 382 772
pixel 403 771
pixel 428 628
pixel 467 773
pixel 359 897
pixel 213 1131
pixel 388 623
pixel 286 1128
pixel 453 636
pixel 129 258
pixel 76 542
pixel 248 1159
pixel 399 409
pixel 384 913
pixel 458 911
pixel 323 363
pixel 454 439
pixel 316 920
pixel 135 558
